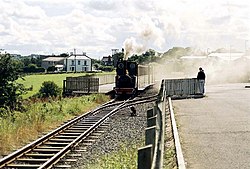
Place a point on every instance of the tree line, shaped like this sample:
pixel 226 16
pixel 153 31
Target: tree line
pixel 11 91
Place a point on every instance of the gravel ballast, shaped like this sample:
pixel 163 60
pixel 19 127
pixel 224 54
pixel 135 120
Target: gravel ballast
pixel 122 129
pixel 125 130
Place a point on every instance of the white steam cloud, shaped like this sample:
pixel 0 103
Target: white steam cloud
pixel 147 31
pixel 132 47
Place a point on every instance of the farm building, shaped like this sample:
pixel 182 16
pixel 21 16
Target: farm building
pixel 58 62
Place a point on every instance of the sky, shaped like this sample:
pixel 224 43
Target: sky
pixel 97 26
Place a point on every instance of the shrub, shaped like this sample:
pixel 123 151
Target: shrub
pixel 106 68
pixel 49 89
pixel 51 69
pixel 32 68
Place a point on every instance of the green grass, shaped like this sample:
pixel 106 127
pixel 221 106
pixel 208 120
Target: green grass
pixel 39 117
pixel 37 80
pixel 124 158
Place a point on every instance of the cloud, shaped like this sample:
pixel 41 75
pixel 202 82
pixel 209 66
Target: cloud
pixel 97 26
pixel 103 5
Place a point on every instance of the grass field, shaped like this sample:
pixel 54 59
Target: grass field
pixel 37 80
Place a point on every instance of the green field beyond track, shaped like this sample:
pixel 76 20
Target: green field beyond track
pixel 37 80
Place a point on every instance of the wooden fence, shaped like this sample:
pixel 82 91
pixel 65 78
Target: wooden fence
pixel 145 76
pixel 80 85
pixel 187 87
pixel 151 156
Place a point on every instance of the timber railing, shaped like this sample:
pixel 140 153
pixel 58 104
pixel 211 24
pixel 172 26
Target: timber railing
pixel 182 88
pixel 151 156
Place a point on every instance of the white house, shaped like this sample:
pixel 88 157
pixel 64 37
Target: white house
pixel 78 63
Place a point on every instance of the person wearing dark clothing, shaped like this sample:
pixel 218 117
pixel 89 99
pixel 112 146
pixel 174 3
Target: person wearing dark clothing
pixel 201 80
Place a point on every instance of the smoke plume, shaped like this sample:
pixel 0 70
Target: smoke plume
pixel 132 47
pixel 148 34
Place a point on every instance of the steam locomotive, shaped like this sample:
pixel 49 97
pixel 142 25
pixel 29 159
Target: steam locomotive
pixel 126 80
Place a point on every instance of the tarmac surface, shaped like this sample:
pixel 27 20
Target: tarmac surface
pixel 215 130
pixel 106 88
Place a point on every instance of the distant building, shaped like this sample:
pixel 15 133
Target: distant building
pixel 107 60
pixel 58 62
pixel 226 56
pixel 78 63
pixel 193 57
pixel 72 63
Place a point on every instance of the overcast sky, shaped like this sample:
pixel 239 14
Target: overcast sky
pixel 97 26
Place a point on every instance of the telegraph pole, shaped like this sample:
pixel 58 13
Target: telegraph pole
pixel 75 58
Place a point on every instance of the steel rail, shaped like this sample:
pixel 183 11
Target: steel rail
pixel 141 101
pixel 11 157
pixel 52 161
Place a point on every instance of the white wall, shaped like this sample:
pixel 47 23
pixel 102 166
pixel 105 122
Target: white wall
pixel 81 65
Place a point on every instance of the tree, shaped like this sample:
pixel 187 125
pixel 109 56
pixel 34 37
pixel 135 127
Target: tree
pixel 49 89
pixel 146 57
pixel 64 55
pixel 117 57
pixel 10 90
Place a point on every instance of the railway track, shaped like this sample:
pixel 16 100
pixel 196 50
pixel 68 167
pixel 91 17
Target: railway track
pixel 57 148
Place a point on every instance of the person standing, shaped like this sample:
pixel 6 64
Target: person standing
pixel 201 80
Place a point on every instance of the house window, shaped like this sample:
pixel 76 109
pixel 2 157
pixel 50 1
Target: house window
pixel 79 62
pixel 72 62
pixel 84 69
pixel 72 69
pixel 85 62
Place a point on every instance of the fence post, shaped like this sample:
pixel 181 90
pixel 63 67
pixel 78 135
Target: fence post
pixel 150 113
pixel 151 121
pixel 145 157
pixel 64 87
pixel 88 85
pixel 150 135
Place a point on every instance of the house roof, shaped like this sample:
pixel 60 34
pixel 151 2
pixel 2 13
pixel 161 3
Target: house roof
pixel 54 59
pixel 79 57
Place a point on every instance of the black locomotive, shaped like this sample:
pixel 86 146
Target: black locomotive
pixel 126 78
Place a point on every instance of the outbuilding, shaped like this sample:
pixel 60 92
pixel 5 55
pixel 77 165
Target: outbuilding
pixel 52 61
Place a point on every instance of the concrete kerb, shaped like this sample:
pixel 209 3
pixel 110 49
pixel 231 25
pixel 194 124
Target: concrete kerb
pixel 179 154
